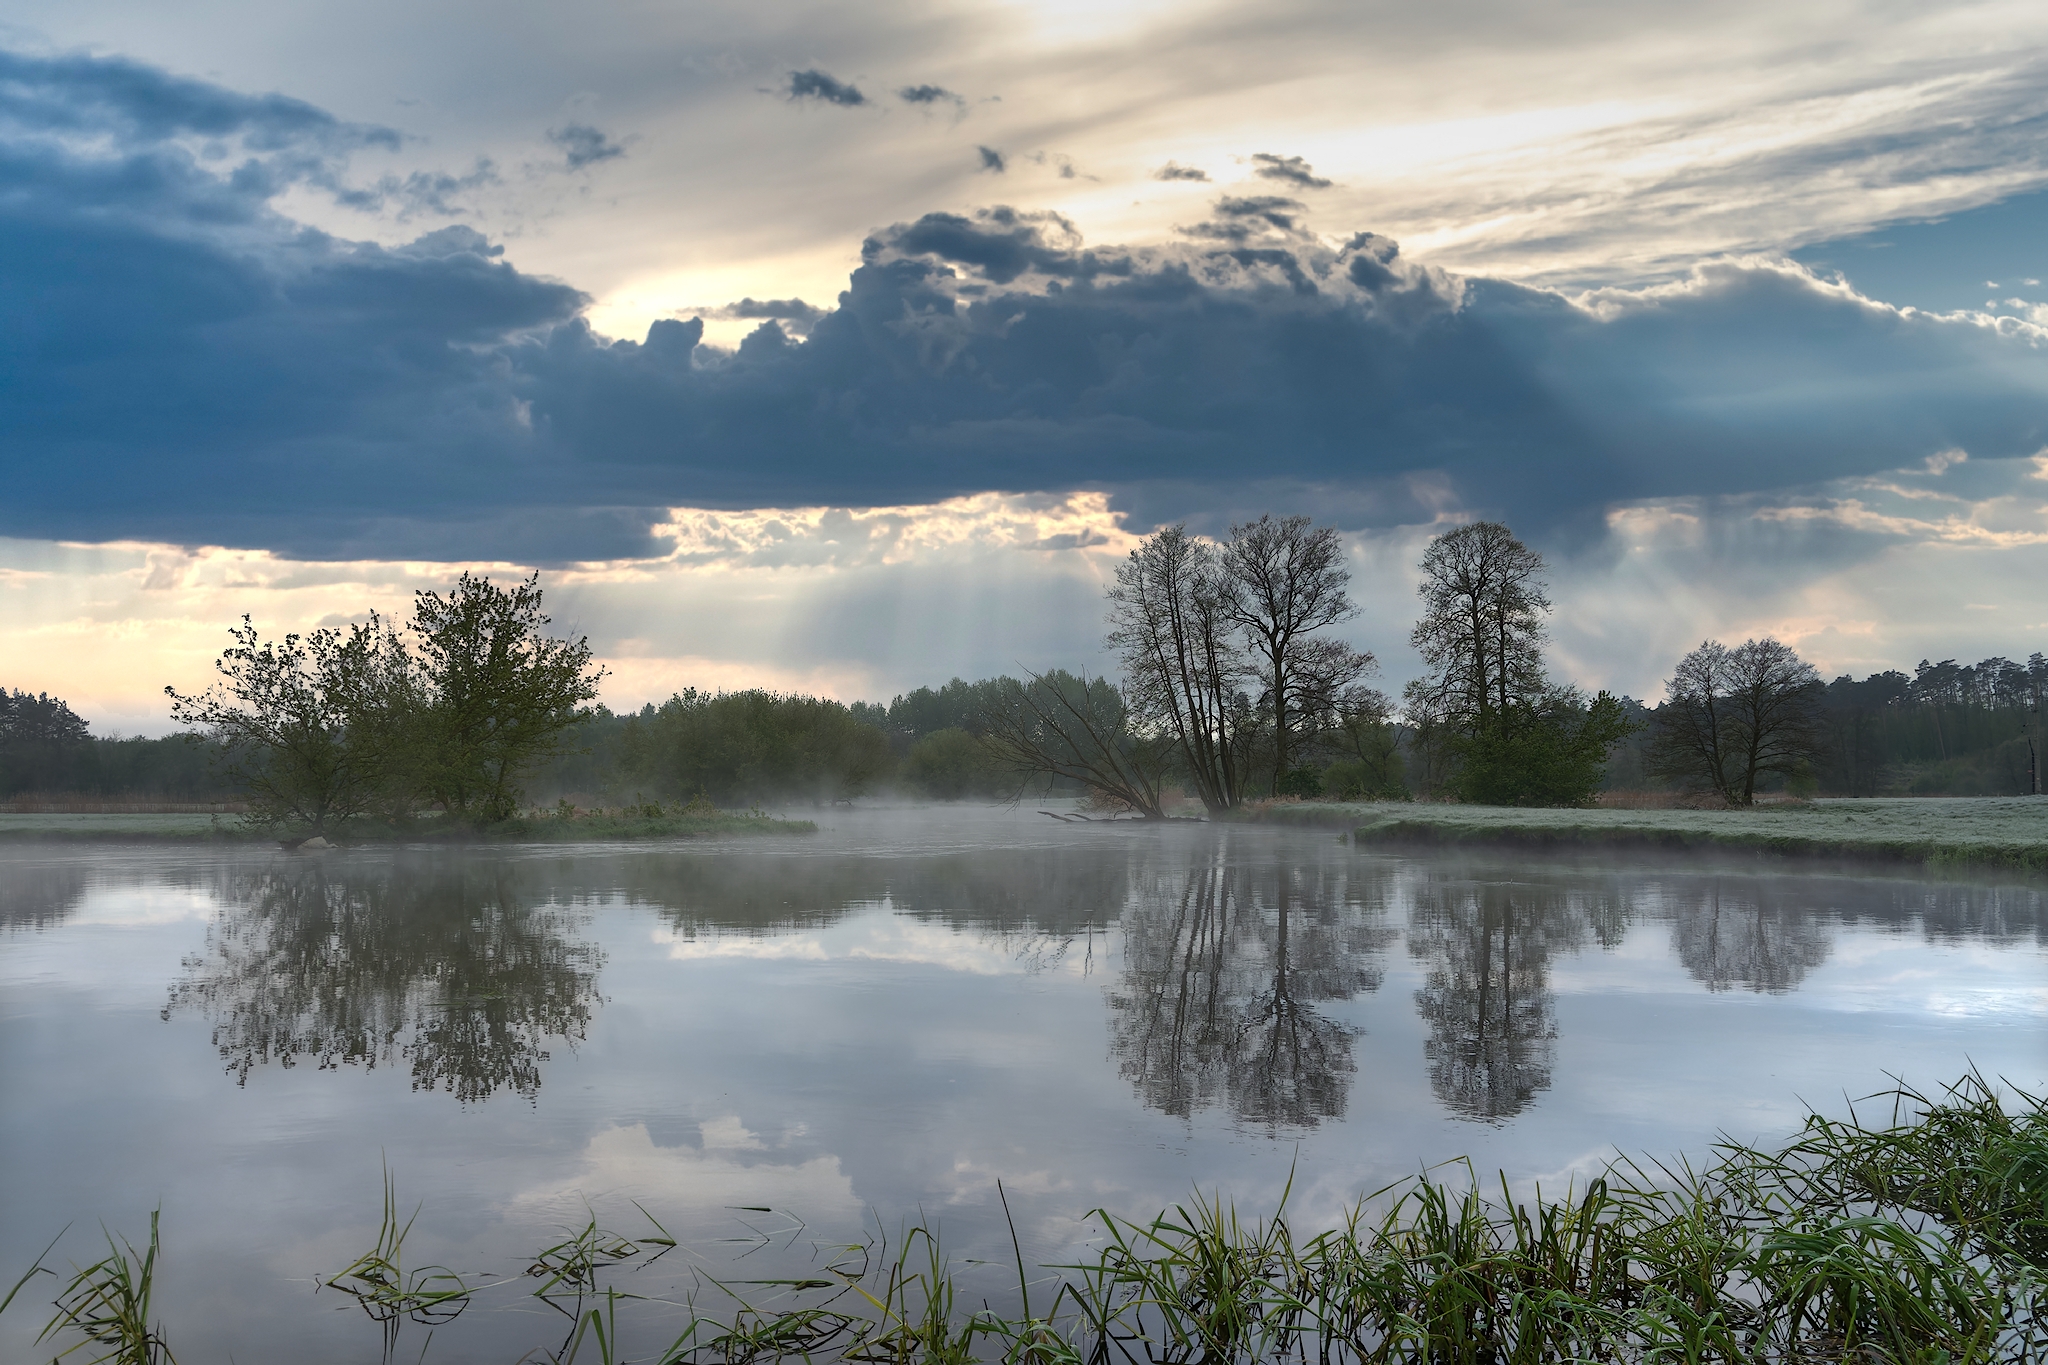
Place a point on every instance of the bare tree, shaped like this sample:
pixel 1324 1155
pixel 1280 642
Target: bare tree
pixel 1734 716
pixel 1171 623
pixel 1061 725
pixel 1481 631
pixel 1290 584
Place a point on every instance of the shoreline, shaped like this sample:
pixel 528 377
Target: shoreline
pixel 1936 834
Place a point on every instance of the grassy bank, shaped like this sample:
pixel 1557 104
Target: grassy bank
pixel 631 823
pixel 1968 833
pixel 1921 1236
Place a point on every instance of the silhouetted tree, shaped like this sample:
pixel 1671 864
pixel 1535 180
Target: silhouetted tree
pixel 1289 585
pixel 1061 725
pixel 1174 627
pixel 1487 713
pixel 1735 715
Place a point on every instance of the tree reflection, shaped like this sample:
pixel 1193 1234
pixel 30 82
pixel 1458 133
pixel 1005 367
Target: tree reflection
pixel 461 972
pixel 1223 971
pixel 40 895
pixel 1486 1000
pixel 1727 937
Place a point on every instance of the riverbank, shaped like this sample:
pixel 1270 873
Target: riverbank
pixel 583 827
pixel 1917 1239
pixel 1999 833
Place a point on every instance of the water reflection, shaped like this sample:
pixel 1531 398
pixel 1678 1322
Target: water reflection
pixel 40 895
pixel 1759 941
pixel 1224 968
pixel 462 971
pixel 1486 999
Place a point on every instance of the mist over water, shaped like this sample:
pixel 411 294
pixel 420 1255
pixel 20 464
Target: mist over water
pixel 889 1017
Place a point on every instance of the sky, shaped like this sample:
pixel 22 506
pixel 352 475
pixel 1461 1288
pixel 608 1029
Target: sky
pixel 848 348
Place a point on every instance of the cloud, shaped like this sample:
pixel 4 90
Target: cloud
pixel 583 145
pixel 928 94
pixel 992 160
pixel 180 362
pixel 819 86
pixel 1173 171
pixel 1291 169
pixel 795 313
pixel 1239 218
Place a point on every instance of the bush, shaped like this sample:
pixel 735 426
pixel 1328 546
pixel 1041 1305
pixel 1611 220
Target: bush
pixel 1549 753
pixel 1303 782
pixel 1353 779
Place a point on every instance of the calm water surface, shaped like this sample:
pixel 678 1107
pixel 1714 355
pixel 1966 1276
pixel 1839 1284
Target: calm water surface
pixel 891 1016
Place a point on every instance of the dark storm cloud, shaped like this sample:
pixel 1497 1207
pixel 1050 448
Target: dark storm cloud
pixel 1173 171
pixel 1239 218
pixel 178 361
pixel 795 310
pixel 927 94
pixel 819 86
pixel 1291 169
pixel 583 145
pixel 992 160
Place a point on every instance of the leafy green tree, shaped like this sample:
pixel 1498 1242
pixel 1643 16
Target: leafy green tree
pixel 493 694
pixel 290 722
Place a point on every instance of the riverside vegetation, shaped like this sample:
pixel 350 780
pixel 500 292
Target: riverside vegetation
pixel 1920 1237
pixel 1232 690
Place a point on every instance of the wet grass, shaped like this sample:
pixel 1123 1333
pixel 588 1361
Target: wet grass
pixel 1919 1235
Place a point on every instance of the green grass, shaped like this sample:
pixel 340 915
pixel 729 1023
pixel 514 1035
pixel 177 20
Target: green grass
pixel 1918 1237
pixel 1964 833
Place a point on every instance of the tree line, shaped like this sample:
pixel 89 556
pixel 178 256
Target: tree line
pixel 1232 686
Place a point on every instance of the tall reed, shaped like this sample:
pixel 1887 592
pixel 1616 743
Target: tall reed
pixel 1905 1242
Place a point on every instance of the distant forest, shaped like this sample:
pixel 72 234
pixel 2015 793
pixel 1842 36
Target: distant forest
pixel 1946 729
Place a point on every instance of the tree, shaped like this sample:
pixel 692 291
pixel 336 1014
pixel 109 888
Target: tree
pixel 1550 750
pixel 1734 716
pixel 1289 584
pixel 499 693
pixel 1061 725
pixel 1368 766
pixel 1488 712
pixel 1481 631
pixel 1173 624
pixel 293 723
